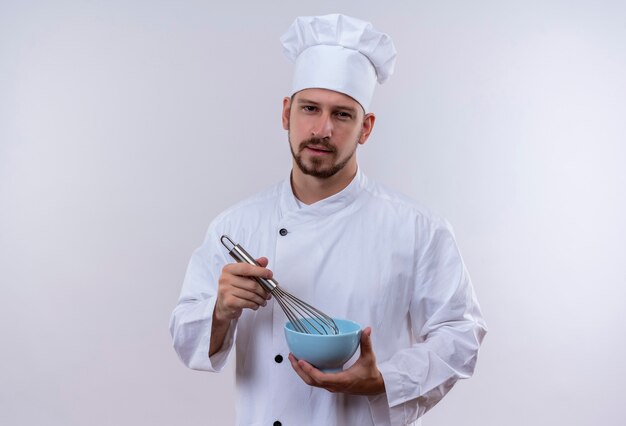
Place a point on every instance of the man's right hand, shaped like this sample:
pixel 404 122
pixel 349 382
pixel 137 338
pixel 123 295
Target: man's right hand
pixel 237 290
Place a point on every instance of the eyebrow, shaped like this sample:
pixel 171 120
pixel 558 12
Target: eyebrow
pixel 301 101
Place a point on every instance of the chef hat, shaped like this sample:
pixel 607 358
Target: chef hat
pixel 339 53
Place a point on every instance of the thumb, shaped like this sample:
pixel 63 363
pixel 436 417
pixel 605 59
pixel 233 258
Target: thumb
pixel 366 341
pixel 263 261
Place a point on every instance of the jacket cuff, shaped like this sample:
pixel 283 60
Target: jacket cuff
pixel 391 408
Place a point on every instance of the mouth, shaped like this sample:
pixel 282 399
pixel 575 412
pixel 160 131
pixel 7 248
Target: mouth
pixel 317 150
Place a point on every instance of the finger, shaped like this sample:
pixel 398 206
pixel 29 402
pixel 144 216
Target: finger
pixel 246 296
pixel 246 284
pixel 247 270
pixel 313 372
pixel 245 289
pixel 332 382
pixel 263 261
pixel 228 281
pixel 294 364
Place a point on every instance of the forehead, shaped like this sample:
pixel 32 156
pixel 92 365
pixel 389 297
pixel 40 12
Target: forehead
pixel 327 97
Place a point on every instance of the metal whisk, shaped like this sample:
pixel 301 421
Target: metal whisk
pixel 304 317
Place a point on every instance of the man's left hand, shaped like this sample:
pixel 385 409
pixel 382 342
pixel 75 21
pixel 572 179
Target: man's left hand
pixel 362 378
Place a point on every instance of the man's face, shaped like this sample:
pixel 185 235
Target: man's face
pixel 325 128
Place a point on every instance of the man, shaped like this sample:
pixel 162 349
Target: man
pixel 341 242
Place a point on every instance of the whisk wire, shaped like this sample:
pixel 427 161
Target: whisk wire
pixel 308 319
pixel 316 319
pixel 304 317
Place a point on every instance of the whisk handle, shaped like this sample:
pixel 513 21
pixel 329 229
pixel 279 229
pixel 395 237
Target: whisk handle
pixel 240 255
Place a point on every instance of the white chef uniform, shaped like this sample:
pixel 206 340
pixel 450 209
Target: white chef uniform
pixel 367 254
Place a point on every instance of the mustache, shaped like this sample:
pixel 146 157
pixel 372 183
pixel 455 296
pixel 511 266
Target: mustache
pixel 316 143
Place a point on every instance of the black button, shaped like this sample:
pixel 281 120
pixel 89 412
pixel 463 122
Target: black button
pixel 277 423
pixel 278 358
pixel 283 232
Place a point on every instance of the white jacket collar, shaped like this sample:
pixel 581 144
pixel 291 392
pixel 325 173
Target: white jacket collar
pixel 327 206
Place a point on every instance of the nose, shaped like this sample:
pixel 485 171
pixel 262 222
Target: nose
pixel 323 127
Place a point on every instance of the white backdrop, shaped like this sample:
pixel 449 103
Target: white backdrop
pixel 125 127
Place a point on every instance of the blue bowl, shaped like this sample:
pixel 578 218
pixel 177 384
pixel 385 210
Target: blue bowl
pixel 327 352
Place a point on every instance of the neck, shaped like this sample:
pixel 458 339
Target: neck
pixel 310 189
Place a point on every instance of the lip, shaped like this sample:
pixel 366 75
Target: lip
pixel 317 151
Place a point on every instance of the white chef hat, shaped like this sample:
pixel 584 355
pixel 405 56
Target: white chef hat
pixel 339 53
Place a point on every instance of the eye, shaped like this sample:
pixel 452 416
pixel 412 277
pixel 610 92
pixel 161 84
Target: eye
pixel 344 115
pixel 309 108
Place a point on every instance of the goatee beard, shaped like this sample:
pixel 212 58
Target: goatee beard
pixel 316 168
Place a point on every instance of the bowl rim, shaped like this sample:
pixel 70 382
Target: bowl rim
pixel 358 330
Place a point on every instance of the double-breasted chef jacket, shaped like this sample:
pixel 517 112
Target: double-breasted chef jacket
pixel 367 254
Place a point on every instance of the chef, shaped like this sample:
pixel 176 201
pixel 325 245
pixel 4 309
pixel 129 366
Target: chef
pixel 340 241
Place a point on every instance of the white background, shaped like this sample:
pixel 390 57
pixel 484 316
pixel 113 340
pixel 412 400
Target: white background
pixel 126 126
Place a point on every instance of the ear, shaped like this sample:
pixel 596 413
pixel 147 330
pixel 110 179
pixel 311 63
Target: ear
pixel 368 126
pixel 286 111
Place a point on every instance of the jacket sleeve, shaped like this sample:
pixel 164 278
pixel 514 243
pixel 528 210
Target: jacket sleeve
pixel 191 320
pixel 447 327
